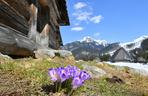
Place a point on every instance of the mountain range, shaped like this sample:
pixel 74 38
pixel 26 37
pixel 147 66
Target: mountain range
pixel 89 48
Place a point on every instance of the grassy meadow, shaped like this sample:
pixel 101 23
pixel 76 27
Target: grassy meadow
pixel 29 77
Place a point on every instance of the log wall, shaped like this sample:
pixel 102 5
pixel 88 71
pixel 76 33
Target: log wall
pixel 36 21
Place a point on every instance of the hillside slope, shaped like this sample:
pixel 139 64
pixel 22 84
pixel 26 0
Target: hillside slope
pixel 89 48
pixel 25 77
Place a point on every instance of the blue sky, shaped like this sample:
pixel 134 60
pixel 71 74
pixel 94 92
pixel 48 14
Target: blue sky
pixel 110 20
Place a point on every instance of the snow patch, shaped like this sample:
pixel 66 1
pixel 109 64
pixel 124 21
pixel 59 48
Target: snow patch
pixel 136 43
pixel 142 68
pixel 87 39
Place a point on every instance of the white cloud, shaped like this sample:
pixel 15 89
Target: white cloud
pixel 80 5
pixel 96 34
pixel 96 19
pixel 83 13
pixel 77 28
pixel 82 16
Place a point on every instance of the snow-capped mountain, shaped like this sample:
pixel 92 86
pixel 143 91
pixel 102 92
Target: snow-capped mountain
pixel 89 48
pixel 128 46
pixel 88 39
pixel 134 44
pixel 110 49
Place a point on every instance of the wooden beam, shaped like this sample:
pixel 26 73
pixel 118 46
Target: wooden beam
pixel 33 23
pixel 13 43
pixel 10 17
pixel 44 36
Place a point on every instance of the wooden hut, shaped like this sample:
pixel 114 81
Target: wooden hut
pixel 27 25
pixel 121 55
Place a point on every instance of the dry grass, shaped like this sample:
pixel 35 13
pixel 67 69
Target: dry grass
pixel 25 77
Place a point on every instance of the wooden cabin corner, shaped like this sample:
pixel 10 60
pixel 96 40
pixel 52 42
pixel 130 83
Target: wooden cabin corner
pixel 27 25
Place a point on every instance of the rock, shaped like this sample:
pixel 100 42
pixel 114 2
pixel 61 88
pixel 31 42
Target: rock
pixel 51 53
pixel 94 71
pixel 44 53
pixel 5 56
pixel 64 53
pixel 115 79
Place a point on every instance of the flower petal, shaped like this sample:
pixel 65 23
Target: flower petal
pixel 77 82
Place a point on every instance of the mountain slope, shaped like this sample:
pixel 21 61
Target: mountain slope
pixel 110 49
pixel 89 48
pixel 144 44
pixel 134 44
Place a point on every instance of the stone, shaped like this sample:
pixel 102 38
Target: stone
pixel 115 79
pixel 4 56
pixel 51 53
pixel 94 71
pixel 64 53
pixel 44 53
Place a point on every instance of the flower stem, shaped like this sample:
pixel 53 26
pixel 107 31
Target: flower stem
pixel 71 92
pixel 59 87
pixel 56 83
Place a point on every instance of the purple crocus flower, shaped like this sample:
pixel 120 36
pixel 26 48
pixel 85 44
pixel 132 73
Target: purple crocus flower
pixel 76 71
pixel 54 74
pixel 63 73
pixel 84 75
pixel 73 71
pixel 69 71
pixel 76 82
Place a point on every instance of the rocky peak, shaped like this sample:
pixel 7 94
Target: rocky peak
pixel 89 39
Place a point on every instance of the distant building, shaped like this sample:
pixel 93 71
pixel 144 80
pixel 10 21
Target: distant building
pixel 121 55
pixel 26 25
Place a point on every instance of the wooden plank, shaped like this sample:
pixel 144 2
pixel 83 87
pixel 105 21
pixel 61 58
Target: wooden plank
pixel 33 23
pixel 13 43
pixel 22 7
pixel 10 17
pixel 23 29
